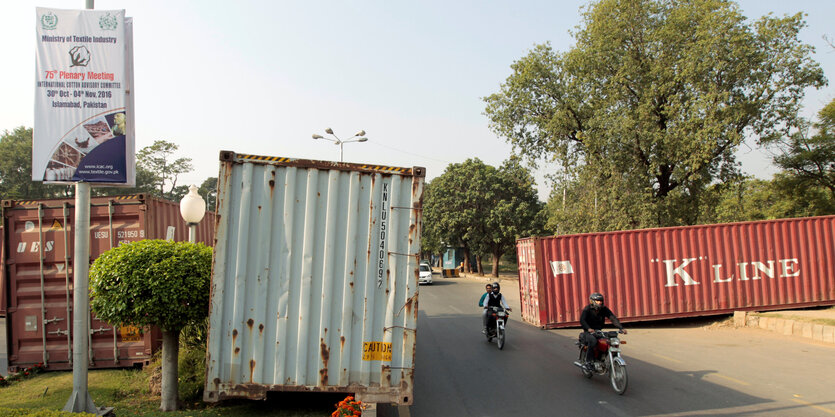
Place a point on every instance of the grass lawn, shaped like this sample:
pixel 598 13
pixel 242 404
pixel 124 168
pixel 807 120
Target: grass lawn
pixel 127 391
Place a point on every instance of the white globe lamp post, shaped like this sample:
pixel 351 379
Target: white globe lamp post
pixel 192 208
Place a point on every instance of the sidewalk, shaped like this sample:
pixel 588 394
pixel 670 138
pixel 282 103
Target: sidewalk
pixel 815 324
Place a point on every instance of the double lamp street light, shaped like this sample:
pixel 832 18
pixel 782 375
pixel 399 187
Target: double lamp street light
pixel 341 142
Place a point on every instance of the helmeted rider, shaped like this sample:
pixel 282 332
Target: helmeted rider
pixel 494 299
pixel 593 318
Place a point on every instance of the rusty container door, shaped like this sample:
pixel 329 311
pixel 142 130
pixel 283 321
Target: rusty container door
pixel 315 279
pixel 701 270
pixel 529 282
pixel 39 277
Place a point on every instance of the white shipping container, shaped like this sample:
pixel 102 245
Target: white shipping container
pixel 315 279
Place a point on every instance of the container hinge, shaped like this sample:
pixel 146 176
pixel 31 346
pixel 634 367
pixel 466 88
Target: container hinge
pixel 385 329
pixel 47 321
pixel 59 332
pixel 99 330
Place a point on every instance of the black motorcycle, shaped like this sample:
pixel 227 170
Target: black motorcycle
pixel 496 322
pixel 607 359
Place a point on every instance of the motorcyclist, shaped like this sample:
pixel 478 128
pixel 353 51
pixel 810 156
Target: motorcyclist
pixel 494 299
pixel 593 318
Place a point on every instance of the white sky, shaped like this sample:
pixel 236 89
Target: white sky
pixel 261 77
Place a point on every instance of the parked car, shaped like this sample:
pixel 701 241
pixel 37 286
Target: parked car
pixel 425 276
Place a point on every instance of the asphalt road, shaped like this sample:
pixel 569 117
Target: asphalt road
pixel 676 368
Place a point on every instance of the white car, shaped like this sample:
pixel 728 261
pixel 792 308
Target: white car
pixel 425 276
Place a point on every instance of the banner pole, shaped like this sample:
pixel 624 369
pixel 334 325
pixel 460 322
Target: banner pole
pixel 80 400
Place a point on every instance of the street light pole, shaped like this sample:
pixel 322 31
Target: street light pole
pixel 341 142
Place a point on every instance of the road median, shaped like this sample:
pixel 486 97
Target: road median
pixel 815 324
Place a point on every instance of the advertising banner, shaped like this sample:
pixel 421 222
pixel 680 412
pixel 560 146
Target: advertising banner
pixel 83 125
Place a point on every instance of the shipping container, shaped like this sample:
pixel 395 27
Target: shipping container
pixel 38 276
pixel 672 272
pixel 2 280
pixel 315 279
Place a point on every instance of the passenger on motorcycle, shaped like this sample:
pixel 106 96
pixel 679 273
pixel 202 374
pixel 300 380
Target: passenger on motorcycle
pixel 494 299
pixel 593 318
pixel 489 289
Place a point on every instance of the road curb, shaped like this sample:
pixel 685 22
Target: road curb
pixel 789 327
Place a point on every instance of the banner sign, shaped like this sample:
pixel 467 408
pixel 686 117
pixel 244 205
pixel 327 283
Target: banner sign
pixel 83 114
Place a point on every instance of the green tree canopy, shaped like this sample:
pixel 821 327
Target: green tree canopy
pixel 810 158
pixel 750 199
pixel 159 160
pixel 482 208
pixel 152 282
pixel 16 169
pixel 649 106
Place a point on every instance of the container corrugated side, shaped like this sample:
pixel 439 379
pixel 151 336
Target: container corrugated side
pixel 39 281
pixel 315 279
pixel 686 271
pixel 2 271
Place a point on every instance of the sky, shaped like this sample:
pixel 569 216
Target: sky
pixel 261 77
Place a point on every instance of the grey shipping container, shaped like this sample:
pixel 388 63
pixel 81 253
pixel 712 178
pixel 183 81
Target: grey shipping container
pixel 315 279
pixel 37 276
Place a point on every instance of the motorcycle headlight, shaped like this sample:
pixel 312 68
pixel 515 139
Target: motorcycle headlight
pixel 614 342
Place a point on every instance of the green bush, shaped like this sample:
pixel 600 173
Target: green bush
pixel 195 334
pixel 152 282
pixel 192 373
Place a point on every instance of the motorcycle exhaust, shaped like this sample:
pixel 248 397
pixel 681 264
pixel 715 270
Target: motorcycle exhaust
pixel 578 364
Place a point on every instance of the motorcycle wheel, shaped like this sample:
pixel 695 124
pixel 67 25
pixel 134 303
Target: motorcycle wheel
pixel 617 375
pixel 500 337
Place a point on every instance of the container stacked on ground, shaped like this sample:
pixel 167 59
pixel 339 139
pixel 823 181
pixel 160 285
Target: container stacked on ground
pixel 37 276
pixel 315 279
pixel 670 272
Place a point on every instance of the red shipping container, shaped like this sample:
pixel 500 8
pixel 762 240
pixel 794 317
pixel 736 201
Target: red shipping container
pixel 38 282
pixel 652 274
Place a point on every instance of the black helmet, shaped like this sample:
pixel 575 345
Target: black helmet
pixel 496 287
pixel 596 296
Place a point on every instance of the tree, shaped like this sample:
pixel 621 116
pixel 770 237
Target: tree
pixel 482 208
pixel 810 158
pixel 515 210
pixel 158 159
pixel 154 283
pixel 648 107
pixel 16 169
pixel 449 207
pixel 208 189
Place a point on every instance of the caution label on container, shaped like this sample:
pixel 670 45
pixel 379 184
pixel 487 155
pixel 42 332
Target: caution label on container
pixel 376 351
pixel 130 334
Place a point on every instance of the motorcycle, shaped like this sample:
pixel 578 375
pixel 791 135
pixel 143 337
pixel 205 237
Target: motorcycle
pixel 497 318
pixel 607 359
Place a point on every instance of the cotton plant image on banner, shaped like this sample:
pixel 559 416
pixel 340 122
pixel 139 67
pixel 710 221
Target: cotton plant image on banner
pixel 348 407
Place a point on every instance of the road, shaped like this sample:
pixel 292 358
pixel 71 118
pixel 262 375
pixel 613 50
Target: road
pixel 676 368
